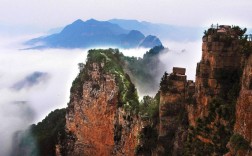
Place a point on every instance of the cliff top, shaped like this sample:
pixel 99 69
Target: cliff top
pixel 179 70
pixel 222 30
pixel 108 62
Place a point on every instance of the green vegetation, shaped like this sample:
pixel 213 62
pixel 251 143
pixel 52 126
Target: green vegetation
pixel 41 139
pixel 239 142
pixel 218 125
pixel 246 47
pixel 49 131
pixel 112 62
pixel 77 86
pixel 236 33
pixel 149 137
pixel 174 111
pixel 143 71
pixel 239 31
pixel 149 112
pixel 149 107
pixel 146 71
pixel 166 84
pixel 230 83
pixel 191 100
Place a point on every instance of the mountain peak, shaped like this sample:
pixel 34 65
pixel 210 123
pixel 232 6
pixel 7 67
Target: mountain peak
pixel 92 33
pixel 134 32
pixel 151 41
pixel 78 21
pixel 91 20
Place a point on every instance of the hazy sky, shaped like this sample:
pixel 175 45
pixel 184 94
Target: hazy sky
pixel 46 14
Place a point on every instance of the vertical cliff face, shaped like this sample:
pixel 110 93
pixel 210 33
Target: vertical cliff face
pixel 241 141
pixel 172 113
pixel 102 117
pixel 220 57
pixel 218 83
pixel 204 117
pixel 243 124
pixel 209 117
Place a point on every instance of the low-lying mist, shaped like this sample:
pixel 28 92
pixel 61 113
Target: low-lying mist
pixel 184 54
pixel 35 82
pixel 32 83
pixel 151 68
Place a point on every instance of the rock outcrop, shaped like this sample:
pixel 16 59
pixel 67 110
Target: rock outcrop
pixel 101 119
pixel 218 85
pixel 209 117
pixel 243 124
pixel 172 113
pixel 213 115
pixel 219 54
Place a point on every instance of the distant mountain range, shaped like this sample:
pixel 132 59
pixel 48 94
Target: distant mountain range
pixel 93 33
pixel 163 31
pixel 118 33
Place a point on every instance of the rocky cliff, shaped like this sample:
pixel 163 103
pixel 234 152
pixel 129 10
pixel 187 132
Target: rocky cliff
pixel 241 141
pixel 172 114
pixel 102 116
pixel 220 58
pixel 213 115
pixel 243 124
pixel 209 117
pixel 220 96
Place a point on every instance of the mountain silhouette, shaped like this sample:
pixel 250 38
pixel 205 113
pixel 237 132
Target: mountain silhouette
pixel 91 34
pixel 163 31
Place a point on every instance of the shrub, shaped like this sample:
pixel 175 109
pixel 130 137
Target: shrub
pixel 239 142
pixel 149 106
pixel 46 134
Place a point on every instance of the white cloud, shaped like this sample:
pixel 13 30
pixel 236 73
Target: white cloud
pixel 139 52
pixel 40 99
pixel 183 54
pixel 14 116
pixel 61 66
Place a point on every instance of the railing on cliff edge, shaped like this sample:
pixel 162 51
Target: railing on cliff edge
pixel 248 36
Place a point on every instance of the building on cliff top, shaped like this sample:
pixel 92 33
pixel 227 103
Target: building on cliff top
pixel 179 73
pixel 178 70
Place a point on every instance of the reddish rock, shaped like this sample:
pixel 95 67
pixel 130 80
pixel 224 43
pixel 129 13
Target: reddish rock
pixel 96 122
pixel 243 124
pixel 216 56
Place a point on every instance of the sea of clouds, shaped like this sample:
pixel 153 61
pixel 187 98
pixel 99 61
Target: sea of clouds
pixel 36 82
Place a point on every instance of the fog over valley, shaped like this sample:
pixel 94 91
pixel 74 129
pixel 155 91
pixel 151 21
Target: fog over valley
pixel 98 78
pixel 35 82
